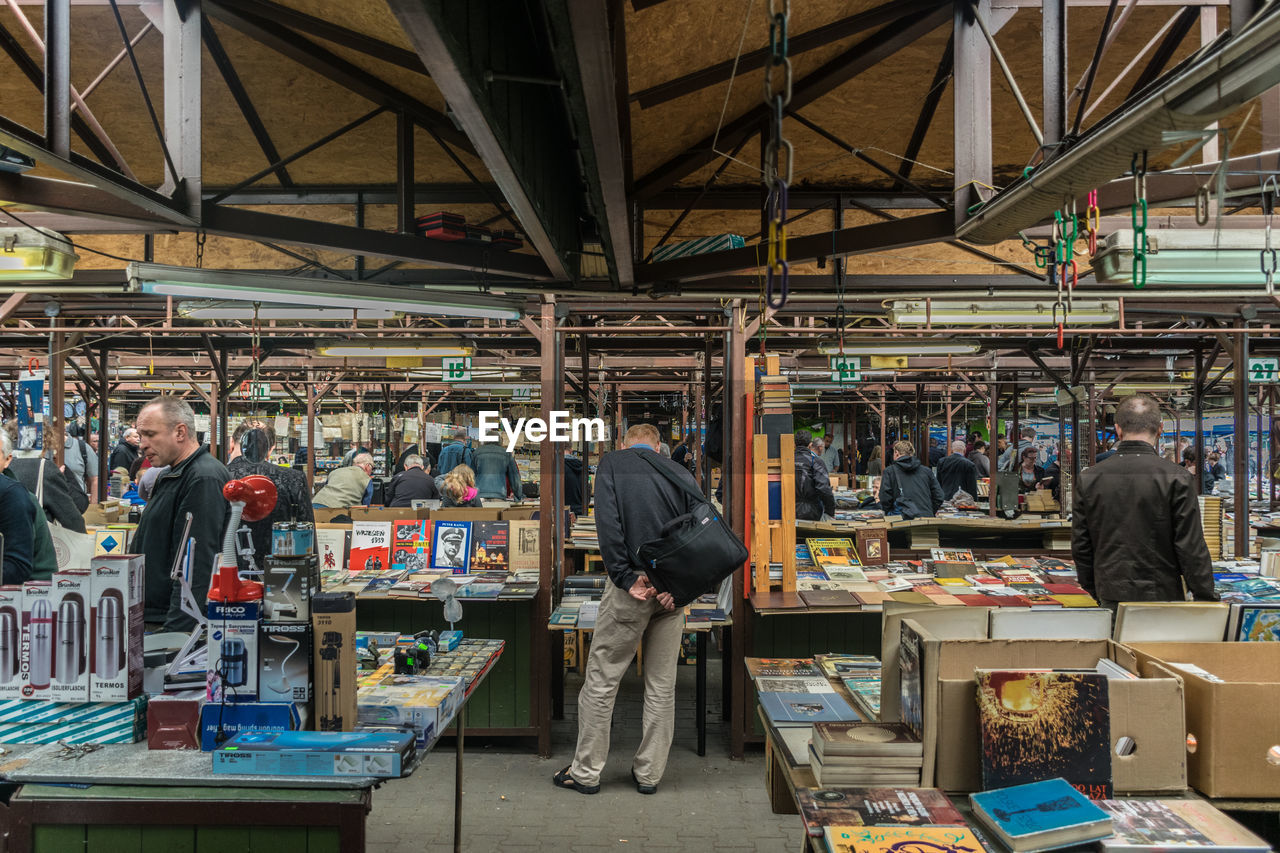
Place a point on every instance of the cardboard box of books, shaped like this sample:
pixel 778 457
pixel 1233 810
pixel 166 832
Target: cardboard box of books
pixel 939 701
pixel 1232 692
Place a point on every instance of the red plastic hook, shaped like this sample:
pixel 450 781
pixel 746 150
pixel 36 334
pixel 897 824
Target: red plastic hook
pixel 33 364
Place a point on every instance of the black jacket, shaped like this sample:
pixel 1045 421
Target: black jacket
pixel 123 455
pixel 411 484
pixel 909 489
pixel 58 503
pixel 1037 474
pixel 1135 530
pixel 17 520
pixel 956 473
pixel 193 485
pixel 633 502
pixel 813 487
pixel 293 501
pixel 573 485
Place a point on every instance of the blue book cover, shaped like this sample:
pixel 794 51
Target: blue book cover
pixel 1039 807
pixel 785 708
pixel 1259 623
pixel 451 546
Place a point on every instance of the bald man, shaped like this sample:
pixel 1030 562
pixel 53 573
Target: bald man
pixel 956 473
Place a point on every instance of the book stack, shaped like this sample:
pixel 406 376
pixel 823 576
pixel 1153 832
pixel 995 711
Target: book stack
pixel 773 395
pixel 1040 816
pixel 1041 500
pixel 926 808
pixel 583 532
pixel 1211 523
pixel 865 755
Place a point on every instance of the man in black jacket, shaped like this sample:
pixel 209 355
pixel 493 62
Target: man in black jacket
pixel 192 484
pixel 411 484
pixel 1135 528
pixel 955 472
pixel 58 504
pixel 125 453
pixel 256 442
pixel 813 483
pixel 633 502
pixel 907 487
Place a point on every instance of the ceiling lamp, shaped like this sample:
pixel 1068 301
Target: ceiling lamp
pixel 35 254
pixel 902 346
pixel 216 310
pixel 312 292
pixel 1184 256
pixel 358 350
pixel 940 312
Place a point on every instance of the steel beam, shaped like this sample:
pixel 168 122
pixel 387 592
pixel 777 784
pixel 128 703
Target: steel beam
pixel 527 186
pixel 182 109
pixel 971 87
pixel 830 76
pixel 69 197
pixel 57 77
pixel 927 109
pixel 1240 456
pixel 404 174
pixel 229 76
pixel 1187 19
pixel 1054 29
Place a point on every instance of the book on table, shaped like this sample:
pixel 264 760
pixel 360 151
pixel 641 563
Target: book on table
pixel 900 839
pixel 861 776
pixel 823 807
pixel 805 708
pixel 866 739
pixel 1158 826
pixel 1040 816
pixel 788 667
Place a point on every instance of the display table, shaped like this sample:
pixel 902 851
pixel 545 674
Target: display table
pixel 172 798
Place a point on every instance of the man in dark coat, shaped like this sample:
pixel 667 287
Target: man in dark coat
pixel 192 484
pixel 813 482
pixel 293 498
pixel 1135 532
pixel 956 473
pixel 413 483
pixel 59 505
pixel 908 488
pixel 125 453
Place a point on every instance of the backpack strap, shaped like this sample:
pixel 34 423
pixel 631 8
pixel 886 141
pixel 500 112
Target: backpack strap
pixel 680 484
pixel 40 483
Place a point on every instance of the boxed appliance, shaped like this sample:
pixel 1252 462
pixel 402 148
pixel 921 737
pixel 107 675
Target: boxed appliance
pixel 173 720
pixel 938 696
pixel 1232 727
pixel 424 703
pixel 10 642
pixel 27 721
pixel 285 675
pixel 233 650
pixel 333 625
pixel 116 627
pixel 72 592
pixel 290 583
pixel 36 661
pixel 220 722
pixel 380 754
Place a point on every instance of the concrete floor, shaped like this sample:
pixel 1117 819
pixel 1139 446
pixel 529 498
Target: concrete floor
pixel 509 802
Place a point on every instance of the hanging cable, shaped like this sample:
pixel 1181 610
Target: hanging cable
pixel 779 157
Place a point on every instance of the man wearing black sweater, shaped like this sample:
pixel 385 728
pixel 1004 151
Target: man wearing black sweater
pixel 632 503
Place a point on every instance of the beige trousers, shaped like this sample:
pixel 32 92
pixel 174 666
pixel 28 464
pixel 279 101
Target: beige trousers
pixel 623 622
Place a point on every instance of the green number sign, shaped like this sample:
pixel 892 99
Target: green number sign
pixel 1264 371
pixel 457 369
pixel 845 368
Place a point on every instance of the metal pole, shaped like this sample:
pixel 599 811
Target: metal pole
pixel 550 514
pixel 57 77
pixel 993 454
pixel 311 440
pixel 586 407
pixel 1197 412
pixel 1258 431
pixel 1240 362
pixel 735 503
pixel 1054 27
pixel 57 398
pixel 1093 426
pixel 404 173
pixel 104 427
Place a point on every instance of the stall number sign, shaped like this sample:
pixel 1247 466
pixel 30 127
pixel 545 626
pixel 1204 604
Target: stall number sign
pixel 1264 370
pixel 844 368
pixel 259 390
pixel 457 369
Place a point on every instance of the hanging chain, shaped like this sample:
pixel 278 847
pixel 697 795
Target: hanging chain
pixel 778 149
pixel 201 236
pixel 1093 217
pixel 1141 246
pixel 1069 270
pixel 1268 254
pixel 256 350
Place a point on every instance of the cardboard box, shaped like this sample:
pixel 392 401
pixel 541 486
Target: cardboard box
pixel 467 513
pixel 381 754
pixel 285 674
pixel 424 703
pixel 116 628
pixel 220 722
pixel 518 513
pixel 1147 710
pixel 290 582
pixel 1235 723
pixel 27 721
pixel 70 601
pixel 36 662
pixel 333 625
pixel 11 642
pixel 942 621
pixel 233 650
pixel 173 720
pixel 381 513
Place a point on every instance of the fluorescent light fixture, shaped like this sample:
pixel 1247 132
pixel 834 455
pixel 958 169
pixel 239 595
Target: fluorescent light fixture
pixel 226 285
pixel 899 345
pixel 35 254
pixel 394 350
pixel 942 312
pixel 216 310
pixel 1184 256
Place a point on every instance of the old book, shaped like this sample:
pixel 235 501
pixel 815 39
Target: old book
pixel 524 553
pixel 865 739
pixel 783 684
pixel 805 708
pixel 370 546
pixel 827 598
pixel 873 545
pixel 1157 826
pixel 490 545
pixel 1254 622
pixel 837 553
pixel 1041 724
pixel 450 546
pixel 838 666
pixel 896 839
pixel 823 807
pixel 1040 816
pixel 331 546
pixel 410 542
pixel 783 667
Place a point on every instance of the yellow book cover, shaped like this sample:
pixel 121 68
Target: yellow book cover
pixel 833 553
pixel 901 839
pixel 1070 600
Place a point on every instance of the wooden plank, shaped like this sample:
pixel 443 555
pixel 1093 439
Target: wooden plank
pixel 519 651
pixel 113 839
pixel 760 545
pixel 787 459
pixel 771 363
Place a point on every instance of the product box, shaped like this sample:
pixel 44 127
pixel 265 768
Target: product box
pixel 449 640
pixel 220 722
pixel 333 637
pixel 69 600
pixel 11 642
pixel 173 720
pixel 27 721
pixel 36 661
pixel 290 583
pixel 285 673
pixel 116 627
pixel 233 650
pixel 1232 727
pixel 380 754
pixel 943 622
pixel 938 695
pixel 424 703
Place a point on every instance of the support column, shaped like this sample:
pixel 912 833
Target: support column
pixel 586 413
pixel 1257 419
pixel 993 453
pixel 182 108
pixel 57 397
pixel 1093 424
pixel 551 527
pixel 972 86
pixel 1054 16
pixel 223 397
pixel 404 173
pixel 1197 411
pixel 104 426
pixel 311 440
pixel 57 78
pixel 1240 409
pixel 734 505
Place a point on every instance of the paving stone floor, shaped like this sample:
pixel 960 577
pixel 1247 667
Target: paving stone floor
pixel 509 802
